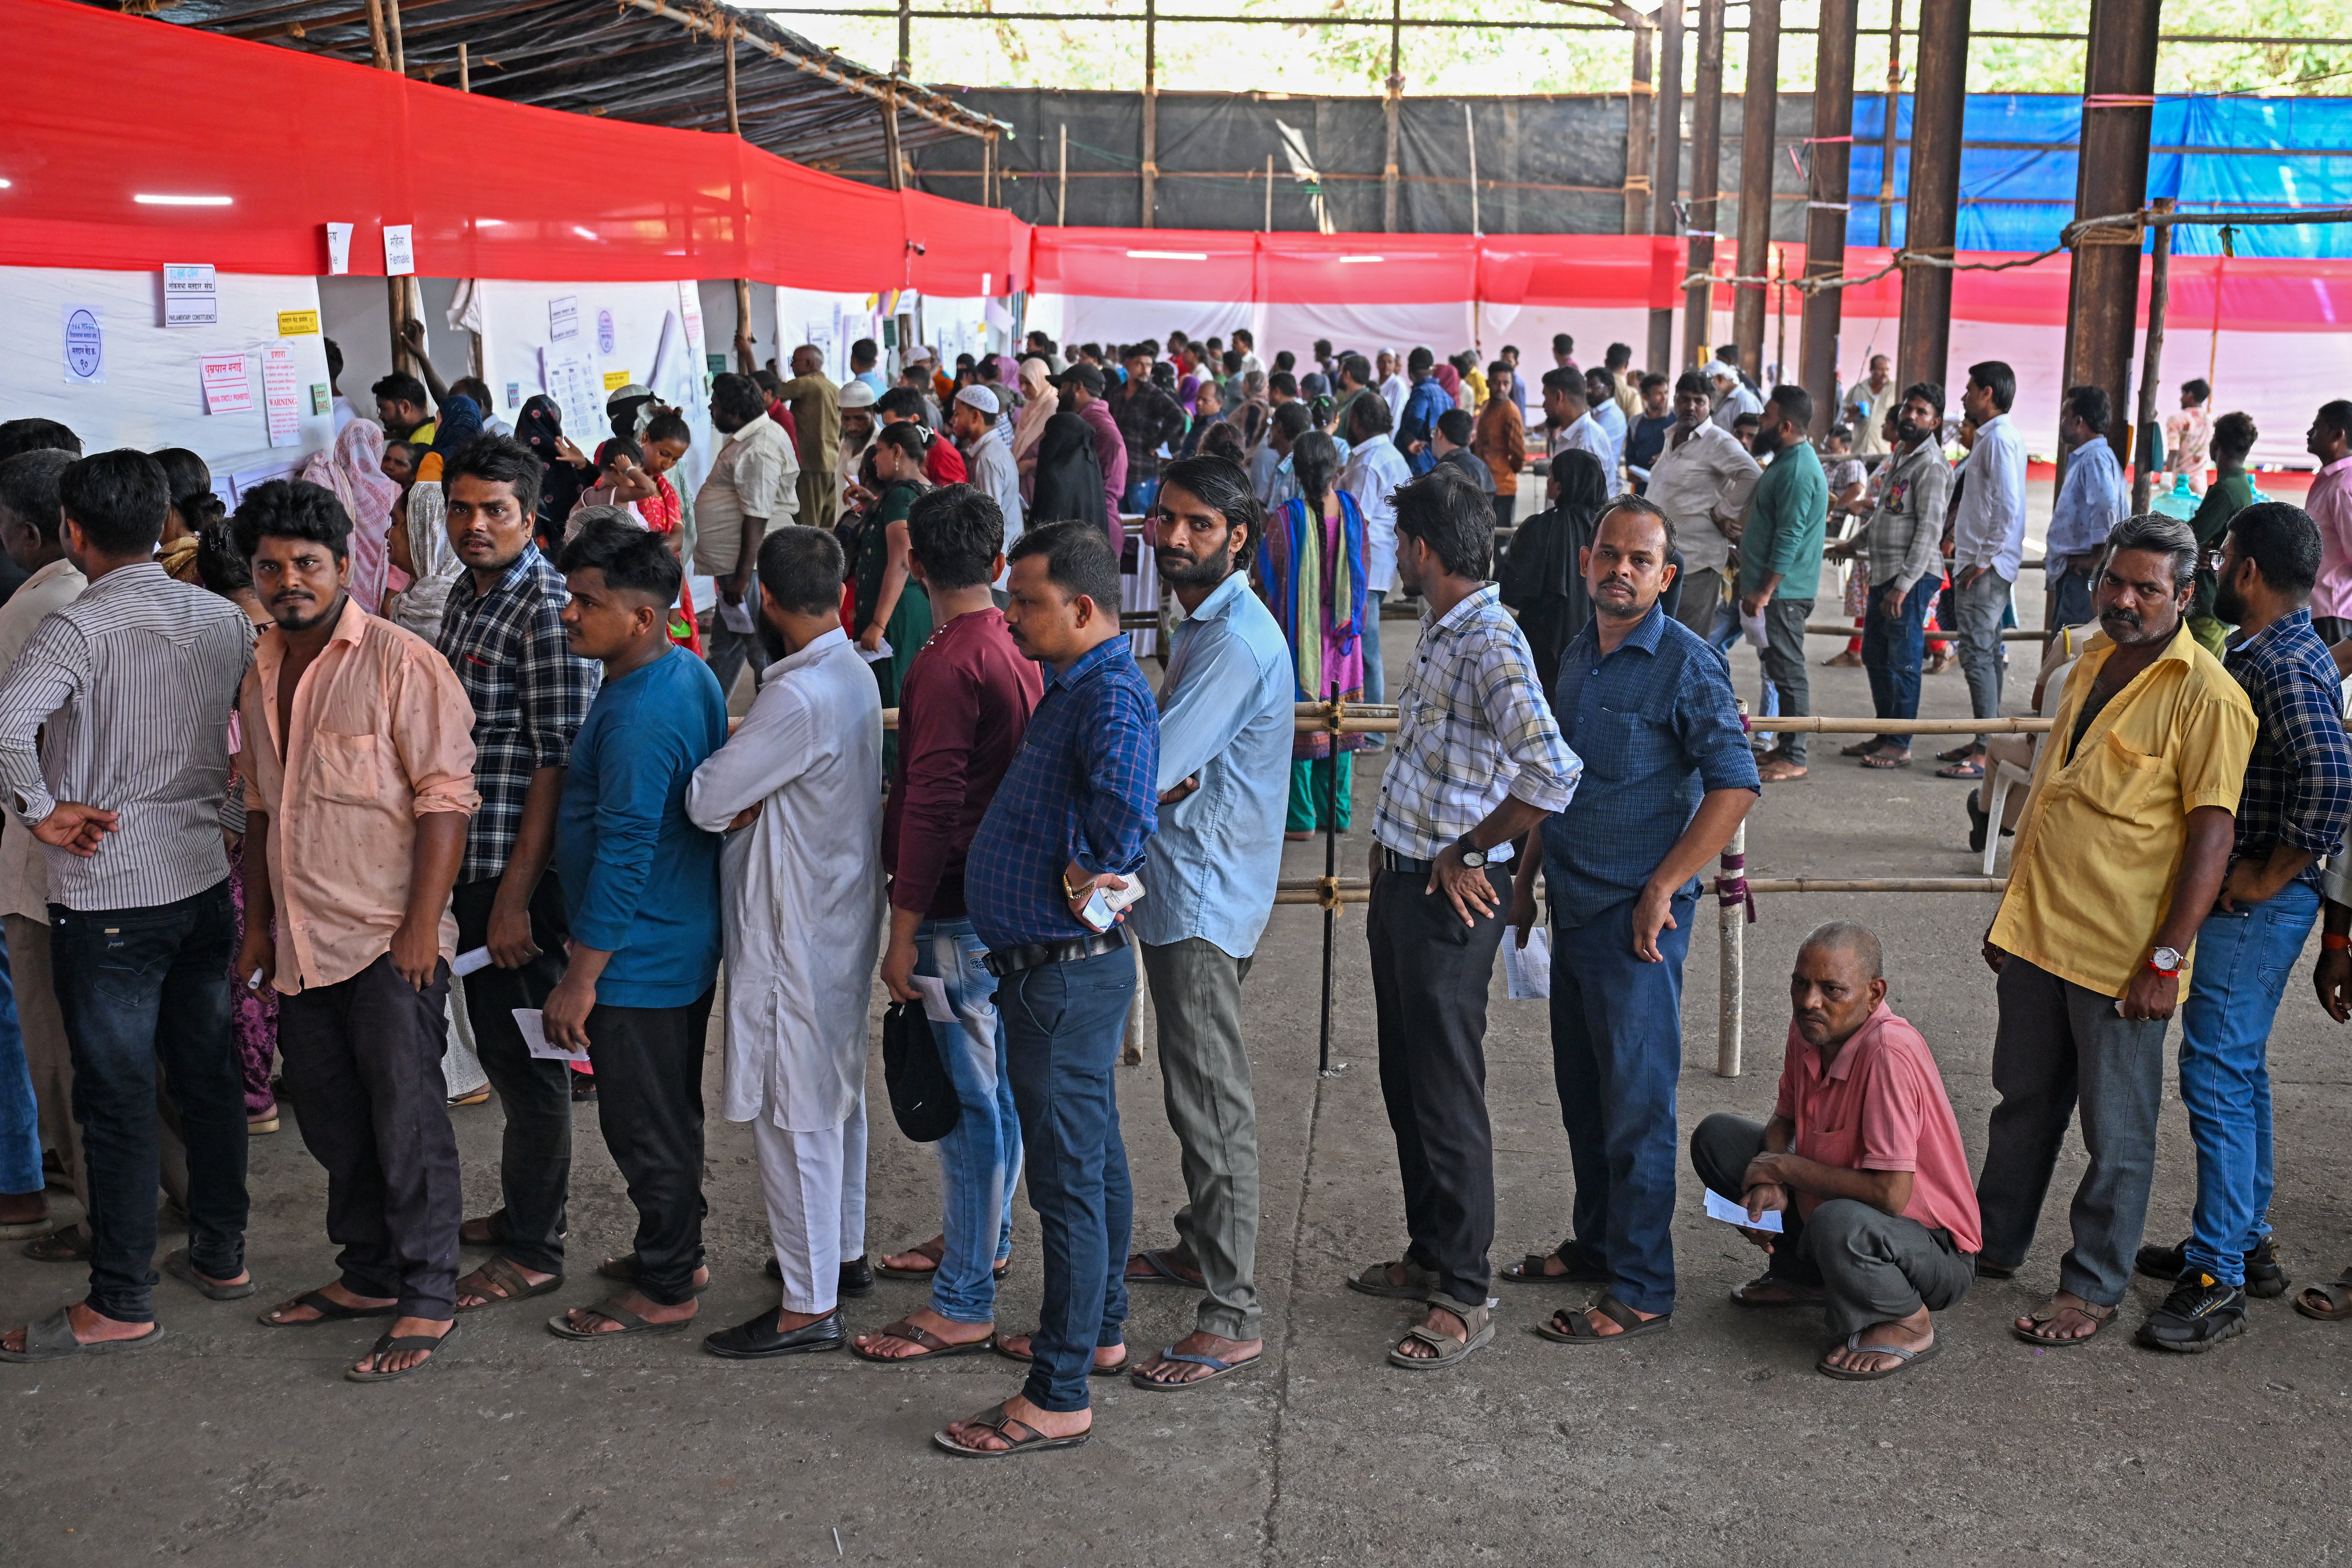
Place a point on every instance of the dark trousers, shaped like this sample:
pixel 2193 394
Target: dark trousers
pixel 1430 975
pixel 535 1157
pixel 363 1072
pixel 1891 649
pixel 1875 1267
pixel 1616 1053
pixel 648 1063
pixel 1784 670
pixel 1063 1023
pixel 142 990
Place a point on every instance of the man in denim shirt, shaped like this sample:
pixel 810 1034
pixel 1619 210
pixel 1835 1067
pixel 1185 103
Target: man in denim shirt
pixel 1649 707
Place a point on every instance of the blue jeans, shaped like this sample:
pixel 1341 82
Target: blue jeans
pixel 2245 959
pixel 1617 1053
pixel 2075 603
pixel 1139 494
pixel 980 1161
pixel 20 1113
pixel 138 989
pixel 1376 680
pixel 1063 1023
pixel 1890 648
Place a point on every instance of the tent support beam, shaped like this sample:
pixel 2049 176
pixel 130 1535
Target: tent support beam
pixel 2111 176
pixel 1938 97
pixel 1665 176
pixel 1825 214
pixel 1760 103
pixel 1706 177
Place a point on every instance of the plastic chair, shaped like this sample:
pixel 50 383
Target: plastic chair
pixel 2005 774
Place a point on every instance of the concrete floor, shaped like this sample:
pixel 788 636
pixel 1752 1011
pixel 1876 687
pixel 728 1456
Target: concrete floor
pixel 234 1445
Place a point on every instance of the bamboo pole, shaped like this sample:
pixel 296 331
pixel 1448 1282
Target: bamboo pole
pixel 1877 884
pixel 2160 292
pixel 746 355
pixel 1377 719
pixel 1731 954
pixel 1062 185
pixel 391 24
pixel 465 71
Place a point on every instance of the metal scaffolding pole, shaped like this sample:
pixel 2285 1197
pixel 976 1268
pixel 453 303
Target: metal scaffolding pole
pixel 1705 178
pixel 2111 176
pixel 1894 126
pixel 1826 207
pixel 1665 176
pixel 1939 96
pixel 1759 102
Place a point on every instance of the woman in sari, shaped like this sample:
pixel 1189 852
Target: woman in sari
pixel 1042 403
pixel 1311 574
pixel 891 607
pixel 353 470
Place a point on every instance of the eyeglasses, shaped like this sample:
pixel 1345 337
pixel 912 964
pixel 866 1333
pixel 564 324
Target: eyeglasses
pixel 2214 561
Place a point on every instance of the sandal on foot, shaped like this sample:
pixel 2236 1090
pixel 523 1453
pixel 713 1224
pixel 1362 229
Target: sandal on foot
pixel 1580 1270
pixel 1094 1368
pixel 1887 760
pixel 1959 754
pixel 613 1311
pixel 1798 1295
pixel 935 1249
pixel 932 1346
pixel 2334 1300
pixel 388 1343
pixel 626 1269
pixel 52 1339
pixel 1860 748
pixel 67 1244
pixel 999 1422
pixel 1217 1369
pixel 1475 1320
pixel 1903 1359
pixel 330 1310
pixel 1964 770
pixel 1573 1328
pixel 178 1266
pixel 765 1336
pixel 1159 1270
pixel 2048 1312
pixel 510 1282
pixel 1375 1281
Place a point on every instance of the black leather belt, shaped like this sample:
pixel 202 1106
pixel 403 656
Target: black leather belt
pixel 1037 954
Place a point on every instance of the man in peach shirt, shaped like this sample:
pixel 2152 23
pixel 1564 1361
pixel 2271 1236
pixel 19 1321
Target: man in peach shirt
pixel 358 754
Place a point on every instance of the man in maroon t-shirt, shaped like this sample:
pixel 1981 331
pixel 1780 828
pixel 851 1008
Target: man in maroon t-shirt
pixel 1862 1163
pixel 962 710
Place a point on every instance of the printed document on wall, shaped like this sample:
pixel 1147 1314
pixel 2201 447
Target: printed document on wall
pixel 281 395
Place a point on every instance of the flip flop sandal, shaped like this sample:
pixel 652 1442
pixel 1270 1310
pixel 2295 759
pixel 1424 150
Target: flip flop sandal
pixel 386 1343
pixel 1375 1281
pixel 1859 749
pixel 935 1250
pixel 330 1310
pixel 52 1339
pixel 503 1273
pixel 1569 1328
pixel 560 1326
pixel 179 1266
pixel 934 1346
pixel 1880 762
pixel 1118 1368
pixel 2337 1295
pixel 69 1244
pixel 2048 1313
pixel 1740 1296
pixel 1962 771
pixel 1958 754
pixel 1529 1270
pixel 1161 1271
pixel 1217 1369
pixel 1905 1360
pixel 626 1270
pixel 1002 1425
pixel 1476 1320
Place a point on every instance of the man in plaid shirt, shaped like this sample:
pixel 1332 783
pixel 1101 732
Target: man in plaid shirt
pixel 2292 811
pixel 1478 764
pixel 500 634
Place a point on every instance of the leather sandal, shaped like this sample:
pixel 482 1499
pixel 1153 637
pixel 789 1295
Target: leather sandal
pixel 512 1284
pixel 935 1249
pixel 2048 1312
pixel 999 1422
pixel 1580 1270
pixel 1572 1327
pixel 2328 1303
pixel 386 1343
pixel 330 1310
pixel 52 1339
pixel 1375 1281
pixel 613 1311
pixel 1476 1321
pixel 933 1347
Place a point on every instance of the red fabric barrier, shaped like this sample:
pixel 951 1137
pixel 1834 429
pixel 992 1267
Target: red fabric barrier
pixel 1143 263
pixel 1365 268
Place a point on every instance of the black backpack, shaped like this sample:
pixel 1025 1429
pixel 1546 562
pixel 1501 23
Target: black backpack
pixel 922 1097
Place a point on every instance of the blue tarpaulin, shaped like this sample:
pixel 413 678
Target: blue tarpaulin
pixel 2211 155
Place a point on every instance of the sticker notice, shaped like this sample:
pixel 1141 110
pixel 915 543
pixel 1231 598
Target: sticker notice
pixel 229 383
pixel 190 296
pixel 399 250
pixel 85 344
pixel 338 249
pixel 297 323
pixel 281 395
pixel 563 319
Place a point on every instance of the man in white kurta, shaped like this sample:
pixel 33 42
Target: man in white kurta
pixel 799 784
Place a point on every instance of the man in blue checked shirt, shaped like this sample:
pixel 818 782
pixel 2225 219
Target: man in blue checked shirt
pixel 2293 810
pixel 2090 503
pixel 1648 705
pixel 1072 816
pixel 1226 723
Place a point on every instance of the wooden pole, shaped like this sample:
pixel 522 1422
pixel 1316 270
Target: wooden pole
pixel 1759 102
pixel 379 43
pixel 746 354
pixel 1392 111
pixel 1470 136
pixel 1931 209
pixel 900 69
pixel 1639 96
pixel 1062 185
pixel 2159 291
pixel 1893 125
pixel 1269 193
pixel 1705 178
pixel 1826 207
pixel 396 291
pixel 1665 176
pixel 391 25
pixel 1150 110
pixel 465 72
pixel 2111 176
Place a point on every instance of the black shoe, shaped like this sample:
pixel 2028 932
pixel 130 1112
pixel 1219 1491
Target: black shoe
pixel 1996 1270
pixel 758 1340
pixel 584 1087
pixel 1979 825
pixel 856 1277
pixel 2200 1313
pixel 2264 1278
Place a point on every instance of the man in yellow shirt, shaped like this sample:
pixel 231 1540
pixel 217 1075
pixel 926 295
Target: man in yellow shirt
pixel 2119 858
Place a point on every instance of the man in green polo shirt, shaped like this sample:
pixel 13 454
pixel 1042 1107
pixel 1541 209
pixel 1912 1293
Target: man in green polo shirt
pixel 2230 493
pixel 1780 561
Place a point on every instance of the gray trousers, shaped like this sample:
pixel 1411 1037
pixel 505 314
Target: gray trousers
pixel 1204 1072
pixel 1981 606
pixel 1702 600
pixel 1875 1267
pixel 1784 667
pixel 2058 1044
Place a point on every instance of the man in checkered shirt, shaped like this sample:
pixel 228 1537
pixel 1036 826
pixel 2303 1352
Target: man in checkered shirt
pixel 1478 764
pixel 500 633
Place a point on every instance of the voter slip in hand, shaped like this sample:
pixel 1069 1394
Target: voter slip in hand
pixel 1730 1213
pixel 533 1024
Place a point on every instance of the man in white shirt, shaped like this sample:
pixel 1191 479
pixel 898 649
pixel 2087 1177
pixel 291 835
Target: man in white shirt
pixel 1600 399
pixel 753 486
pixel 1374 472
pixel 1735 396
pixel 1247 344
pixel 1988 544
pixel 1701 480
pixel 794 791
pixel 979 425
pixel 1394 387
pixel 1569 424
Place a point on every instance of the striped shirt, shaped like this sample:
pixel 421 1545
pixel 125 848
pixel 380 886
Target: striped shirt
pixel 134 681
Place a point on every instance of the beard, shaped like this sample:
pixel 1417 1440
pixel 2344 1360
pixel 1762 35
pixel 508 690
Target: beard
pixel 772 641
pixel 1197 574
pixel 2228 604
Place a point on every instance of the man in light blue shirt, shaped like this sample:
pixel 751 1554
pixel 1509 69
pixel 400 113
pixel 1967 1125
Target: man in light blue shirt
pixel 1225 728
pixel 1601 398
pixel 1987 542
pixel 2090 503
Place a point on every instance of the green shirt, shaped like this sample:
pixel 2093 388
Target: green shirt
pixel 2230 494
pixel 1787 516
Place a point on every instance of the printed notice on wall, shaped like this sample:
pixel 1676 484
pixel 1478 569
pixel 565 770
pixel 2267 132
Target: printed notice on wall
pixel 190 296
pixel 399 250
pixel 281 393
pixel 338 249
pixel 229 383
pixel 563 319
pixel 297 323
pixel 85 344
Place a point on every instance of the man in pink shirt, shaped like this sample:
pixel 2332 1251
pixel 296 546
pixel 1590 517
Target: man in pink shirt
pixel 2330 506
pixel 1862 1163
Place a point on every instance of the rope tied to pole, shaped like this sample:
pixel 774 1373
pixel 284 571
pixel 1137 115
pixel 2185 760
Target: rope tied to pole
pixel 1731 887
pixel 1327 896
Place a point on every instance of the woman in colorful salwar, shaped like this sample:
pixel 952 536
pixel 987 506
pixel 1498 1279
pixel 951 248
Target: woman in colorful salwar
pixel 1311 576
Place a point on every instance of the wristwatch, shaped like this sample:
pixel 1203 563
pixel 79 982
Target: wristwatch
pixel 1472 856
pixel 2165 960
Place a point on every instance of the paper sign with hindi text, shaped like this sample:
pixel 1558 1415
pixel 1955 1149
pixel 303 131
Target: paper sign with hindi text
pixel 229 383
pixel 281 393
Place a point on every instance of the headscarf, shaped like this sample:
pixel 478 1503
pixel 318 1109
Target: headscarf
pixel 1043 403
pixel 418 605
pixel 1449 379
pixel 537 427
pixel 353 470
pixel 1541 577
pixel 459 425
pixel 1069 482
